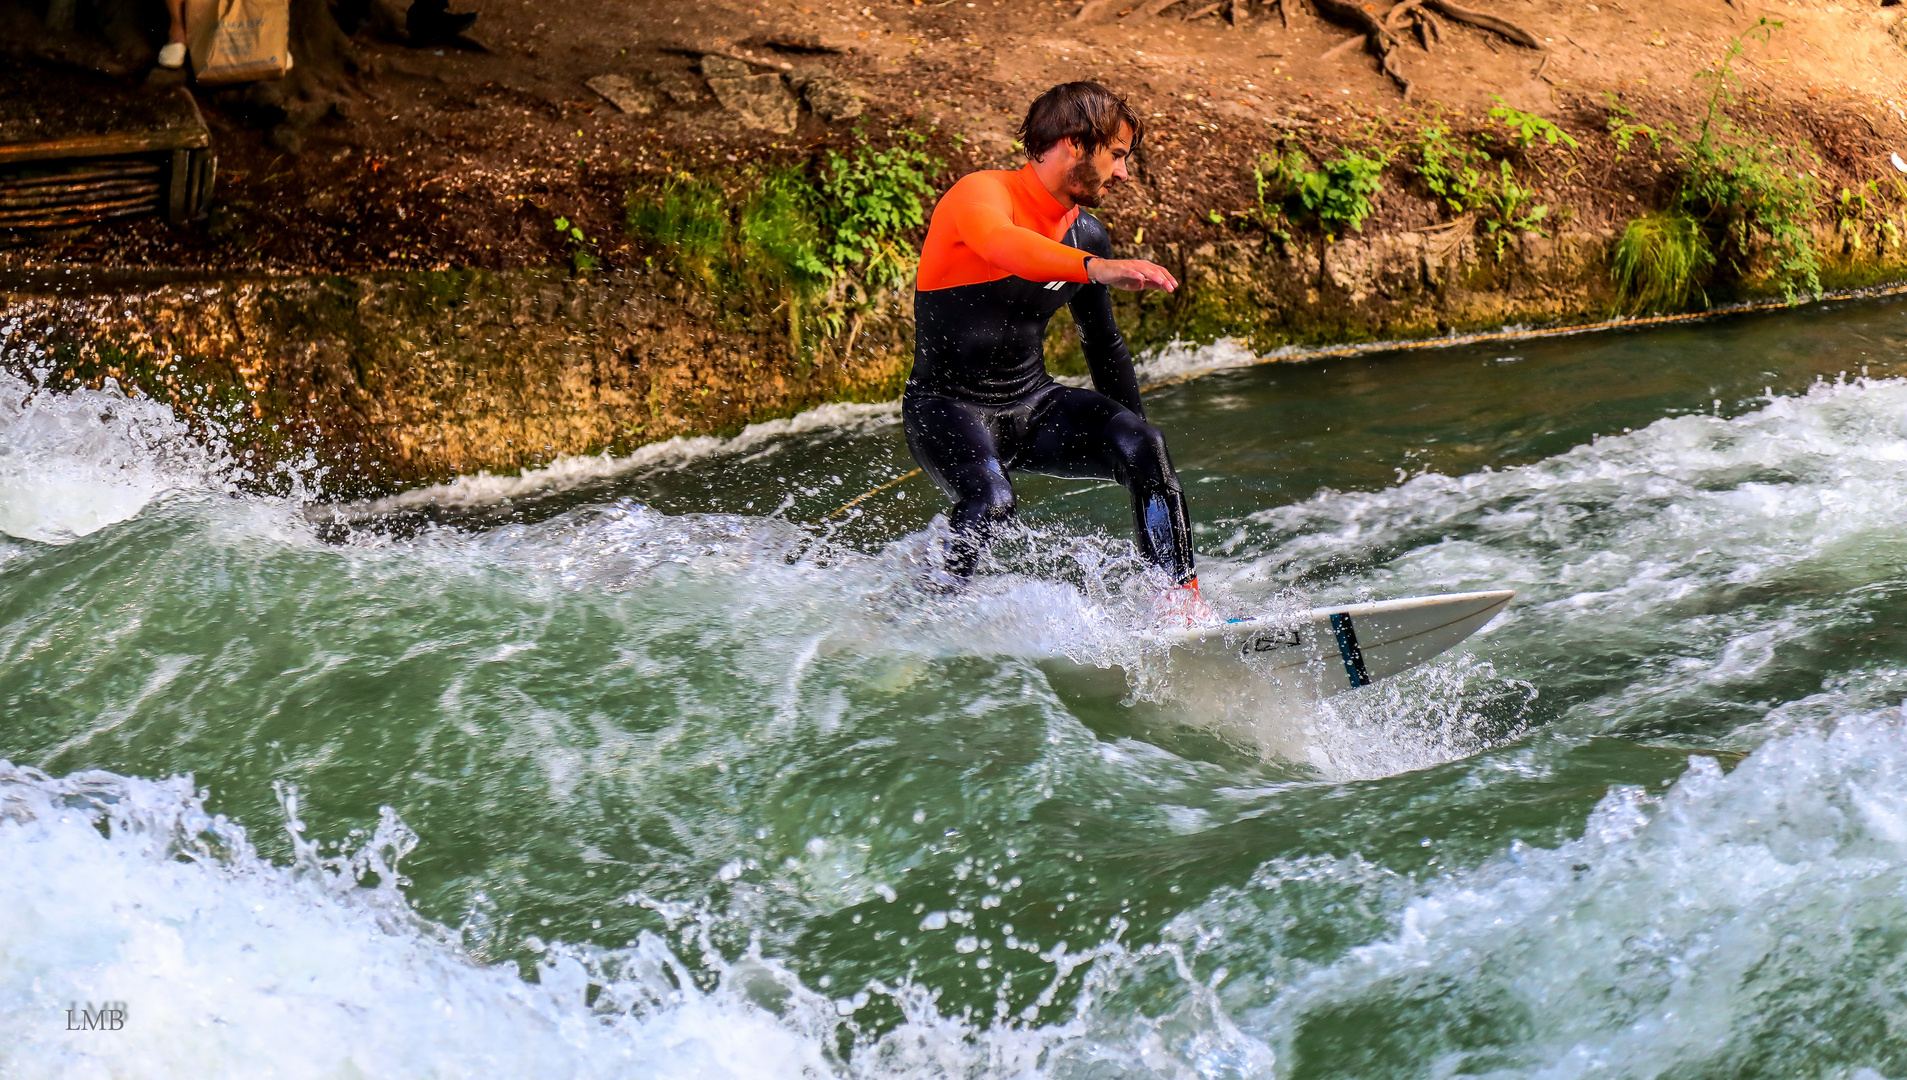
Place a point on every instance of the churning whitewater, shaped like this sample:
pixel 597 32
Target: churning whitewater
pixel 661 767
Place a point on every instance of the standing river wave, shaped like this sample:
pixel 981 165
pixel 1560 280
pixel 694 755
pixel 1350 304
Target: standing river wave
pixel 667 767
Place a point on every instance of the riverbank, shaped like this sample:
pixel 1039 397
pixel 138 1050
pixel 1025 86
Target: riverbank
pixel 414 299
pixel 391 380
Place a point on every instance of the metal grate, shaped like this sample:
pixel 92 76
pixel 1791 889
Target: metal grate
pixel 46 195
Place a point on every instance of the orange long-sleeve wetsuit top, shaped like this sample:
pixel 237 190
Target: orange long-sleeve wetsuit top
pixel 995 223
pixel 1001 257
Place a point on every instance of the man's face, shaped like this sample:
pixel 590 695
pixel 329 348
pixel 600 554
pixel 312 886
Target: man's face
pixel 1092 176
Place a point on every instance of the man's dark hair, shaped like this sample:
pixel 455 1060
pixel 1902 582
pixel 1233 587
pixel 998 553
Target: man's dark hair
pixel 1083 111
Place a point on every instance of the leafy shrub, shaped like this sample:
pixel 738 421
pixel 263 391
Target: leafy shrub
pixel 1466 179
pixel 1739 184
pixel 807 241
pixel 791 227
pixel 1526 128
pixel 1336 194
pixel 1454 173
pixel 779 230
pixel 1511 208
pixel 1661 259
pixel 870 200
pixel 1340 193
pixel 1755 185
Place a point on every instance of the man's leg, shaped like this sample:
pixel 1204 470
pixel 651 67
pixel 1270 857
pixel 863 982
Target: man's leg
pixel 955 444
pixel 1079 432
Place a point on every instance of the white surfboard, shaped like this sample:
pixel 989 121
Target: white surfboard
pixel 1330 650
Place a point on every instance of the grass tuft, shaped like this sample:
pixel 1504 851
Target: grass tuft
pixel 685 216
pixel 1662 260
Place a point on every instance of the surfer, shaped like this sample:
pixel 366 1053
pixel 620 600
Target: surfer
pixel 1005 250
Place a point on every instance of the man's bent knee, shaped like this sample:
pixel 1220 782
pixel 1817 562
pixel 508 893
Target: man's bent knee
pixel 984 503
pixel 1141 449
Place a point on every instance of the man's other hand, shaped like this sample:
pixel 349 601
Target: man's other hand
pixel 1132 275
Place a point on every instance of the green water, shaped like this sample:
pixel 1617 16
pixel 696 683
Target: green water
pixel 700 783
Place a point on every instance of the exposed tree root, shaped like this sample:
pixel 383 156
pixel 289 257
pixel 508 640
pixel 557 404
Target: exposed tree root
pixel 1234 11
pixel 1344 46
pixel 1147 10
pixel 1484 21
pixel 1378 39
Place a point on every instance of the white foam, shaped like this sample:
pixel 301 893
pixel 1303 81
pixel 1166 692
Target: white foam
pixel 125 890
pixel 1633 543
pixel 1180 360
pixel 569 471
pixel 1739 918
pixel 73 463
pixel 1655 942
pixel 232 967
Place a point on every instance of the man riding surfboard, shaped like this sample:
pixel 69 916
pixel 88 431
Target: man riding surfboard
pixel 1005 250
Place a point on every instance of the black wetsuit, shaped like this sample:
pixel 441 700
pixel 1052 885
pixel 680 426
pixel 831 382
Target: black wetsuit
pixel 980 404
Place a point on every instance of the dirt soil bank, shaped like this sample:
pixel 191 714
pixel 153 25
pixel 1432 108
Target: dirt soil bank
pixel 447 157
pixel 384 280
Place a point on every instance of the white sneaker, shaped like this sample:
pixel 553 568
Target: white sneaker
pixel 172 55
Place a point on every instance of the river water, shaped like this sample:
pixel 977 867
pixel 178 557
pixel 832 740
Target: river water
pixel 650 767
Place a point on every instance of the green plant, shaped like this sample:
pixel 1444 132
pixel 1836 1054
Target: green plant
pixel 1858 204
pixel 580 257
pixel 1744 182
pixel 1662 258
pixel 1277 174
pixel 1526 128
pixel 807 242
pixel 1510 208
pixel 1739 189
pixel 1467 179
pixel 1854 208
pixel 1337 194
pixel 1274 178
pixel 871 199
pixel 779 230
pixel 1622 125
pixel 1454 172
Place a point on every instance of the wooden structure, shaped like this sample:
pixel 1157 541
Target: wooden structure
pixel 77 148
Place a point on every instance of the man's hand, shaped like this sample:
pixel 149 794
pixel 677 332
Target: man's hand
pixel 1132 275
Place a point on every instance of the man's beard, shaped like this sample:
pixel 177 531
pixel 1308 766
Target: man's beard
pixel 1085 186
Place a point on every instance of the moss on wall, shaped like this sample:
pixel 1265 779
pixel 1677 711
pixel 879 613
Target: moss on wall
pixel 396 379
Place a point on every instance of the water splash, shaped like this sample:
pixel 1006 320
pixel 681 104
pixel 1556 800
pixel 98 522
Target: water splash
pixel 780 803
pixel 74 463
